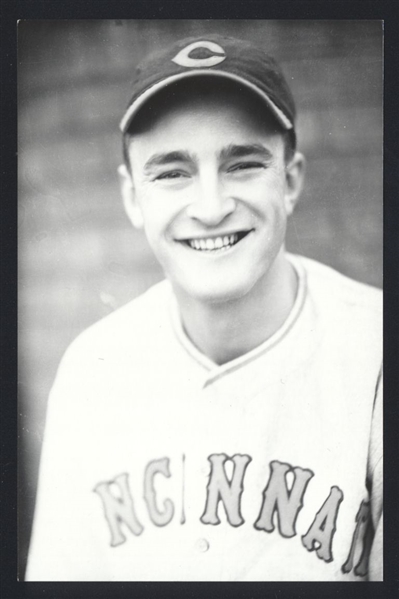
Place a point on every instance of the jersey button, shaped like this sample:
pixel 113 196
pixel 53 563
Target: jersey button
pixel 202 545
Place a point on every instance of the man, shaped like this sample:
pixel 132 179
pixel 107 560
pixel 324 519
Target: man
pixel 226 425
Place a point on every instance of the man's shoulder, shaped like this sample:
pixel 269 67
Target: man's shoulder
pixel 339 291
pixel 126 328
pixel 345 309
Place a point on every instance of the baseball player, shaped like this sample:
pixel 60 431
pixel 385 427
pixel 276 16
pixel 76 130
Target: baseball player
pixel 226 425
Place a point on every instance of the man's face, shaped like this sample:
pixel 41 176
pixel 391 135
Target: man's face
pixel 211 188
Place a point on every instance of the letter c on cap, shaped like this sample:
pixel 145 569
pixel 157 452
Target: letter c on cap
pixel 184 60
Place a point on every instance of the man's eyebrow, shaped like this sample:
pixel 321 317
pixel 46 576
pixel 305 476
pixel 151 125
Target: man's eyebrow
pixel 166 158
pixel 241 151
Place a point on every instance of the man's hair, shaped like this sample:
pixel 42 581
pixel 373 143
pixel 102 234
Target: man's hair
pixel 144 118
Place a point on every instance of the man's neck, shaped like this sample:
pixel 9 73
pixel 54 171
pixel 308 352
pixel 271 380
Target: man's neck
pixel 224 331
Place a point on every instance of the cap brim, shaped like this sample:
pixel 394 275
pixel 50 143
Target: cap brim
pixel 154 89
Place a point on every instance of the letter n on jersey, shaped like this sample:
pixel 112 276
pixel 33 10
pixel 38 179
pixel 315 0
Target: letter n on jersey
pixel 278 499
pixel 220 489
pixel 118 509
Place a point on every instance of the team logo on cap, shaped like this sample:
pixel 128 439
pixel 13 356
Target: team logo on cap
pixel 203 54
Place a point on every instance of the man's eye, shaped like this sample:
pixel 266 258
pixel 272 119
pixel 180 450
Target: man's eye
pixel 242 166
pixel 171 175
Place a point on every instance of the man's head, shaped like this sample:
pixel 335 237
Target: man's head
pixel 212 175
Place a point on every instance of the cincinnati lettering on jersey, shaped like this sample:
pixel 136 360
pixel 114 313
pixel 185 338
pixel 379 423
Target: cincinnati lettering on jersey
pixel 279 501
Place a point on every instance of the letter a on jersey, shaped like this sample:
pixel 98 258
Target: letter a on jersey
pixel 200 54
pixel 322 530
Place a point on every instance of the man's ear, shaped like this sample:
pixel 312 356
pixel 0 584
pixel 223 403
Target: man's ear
pixel 130 203
pixel 294 178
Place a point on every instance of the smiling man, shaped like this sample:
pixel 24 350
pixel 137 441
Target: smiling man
pixel 210 178
pixel 226 425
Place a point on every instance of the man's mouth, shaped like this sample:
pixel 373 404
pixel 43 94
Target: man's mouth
pixel 218 243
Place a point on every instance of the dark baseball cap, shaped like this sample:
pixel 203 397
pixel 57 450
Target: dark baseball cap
pixel 213 56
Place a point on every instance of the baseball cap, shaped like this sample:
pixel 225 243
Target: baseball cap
pixel 213 56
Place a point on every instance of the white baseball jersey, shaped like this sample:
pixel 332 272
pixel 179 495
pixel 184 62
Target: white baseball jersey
pixel 159 464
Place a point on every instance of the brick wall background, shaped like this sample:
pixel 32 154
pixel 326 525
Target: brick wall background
pixel 79 258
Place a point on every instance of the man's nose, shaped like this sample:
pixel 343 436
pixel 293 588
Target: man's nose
pixel 212 203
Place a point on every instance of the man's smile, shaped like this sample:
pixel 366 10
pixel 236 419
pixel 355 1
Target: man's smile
pixel 216 242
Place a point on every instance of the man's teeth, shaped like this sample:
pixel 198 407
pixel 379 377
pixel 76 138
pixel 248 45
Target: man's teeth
pixel 213 243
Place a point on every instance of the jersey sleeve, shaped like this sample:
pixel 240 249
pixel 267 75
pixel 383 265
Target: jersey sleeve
pixel 58 548
pixel 375 477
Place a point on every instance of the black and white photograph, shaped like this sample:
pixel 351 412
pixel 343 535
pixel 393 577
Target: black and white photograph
pixel 200 243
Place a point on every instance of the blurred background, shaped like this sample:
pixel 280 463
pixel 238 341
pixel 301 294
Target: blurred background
pixel 80 259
